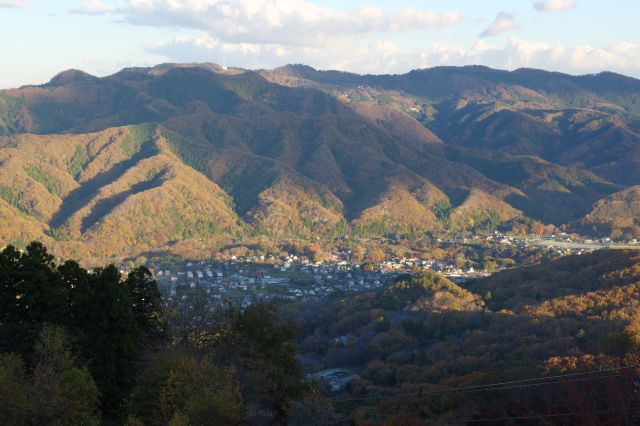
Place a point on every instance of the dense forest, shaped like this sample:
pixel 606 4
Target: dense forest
pixel 427 348
pixel 553 343
pixel 85 347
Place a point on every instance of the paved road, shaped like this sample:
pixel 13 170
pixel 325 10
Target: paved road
pixel 585 246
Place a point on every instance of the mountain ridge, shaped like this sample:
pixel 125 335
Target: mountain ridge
pixel 301 153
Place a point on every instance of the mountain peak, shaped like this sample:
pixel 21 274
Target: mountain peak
pixel 70 76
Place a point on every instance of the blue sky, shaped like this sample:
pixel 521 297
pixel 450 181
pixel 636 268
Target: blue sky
pixel 42 37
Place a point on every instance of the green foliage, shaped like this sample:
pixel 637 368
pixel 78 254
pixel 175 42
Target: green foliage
pixel 232 358
pixel 110 336
pixel 259 341
pixel 181 389
pixel 153 174
pixel 137 135
pixel 379 227
pixel 9 113
pixel 31 294
pixel 14 390
pixel 442 210
pixel 143 290
pixel 60 234
pixel 187 228
pixel 47 180
pixel 15 197
pixel 186 150
pixel 109 318
pixel 79 161
pixel 56 392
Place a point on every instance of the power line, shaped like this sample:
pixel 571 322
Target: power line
pixel 542 416
pixel 468 390
pixel 502 385
pixel 529 417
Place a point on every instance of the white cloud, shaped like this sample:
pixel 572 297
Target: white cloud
pixel 284 22
pixel 504 22
pixel 386 57
pixel 204 48
pixel 94 7
pixel 14 4
pixel 553 5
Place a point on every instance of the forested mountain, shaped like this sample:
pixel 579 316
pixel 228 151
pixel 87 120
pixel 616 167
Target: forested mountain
pixel 149 159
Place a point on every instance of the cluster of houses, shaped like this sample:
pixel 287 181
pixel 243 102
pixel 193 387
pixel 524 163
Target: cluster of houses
pixel 244 280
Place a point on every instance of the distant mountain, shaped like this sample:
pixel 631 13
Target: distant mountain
pixel 152 157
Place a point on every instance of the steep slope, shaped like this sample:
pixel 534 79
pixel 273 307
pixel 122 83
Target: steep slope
pixel 307 153
pixel 482 209
pixel 586 121
pixel 563 279
pixel 297 209
pixel 119 192
pixel 616 215
pixel 403 209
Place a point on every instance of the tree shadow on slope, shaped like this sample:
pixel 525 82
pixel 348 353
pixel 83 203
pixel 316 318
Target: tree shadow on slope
pixel 85 193
pixel 106 206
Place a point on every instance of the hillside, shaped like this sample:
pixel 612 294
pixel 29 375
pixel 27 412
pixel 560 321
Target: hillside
pixel 294 152
pixel 588 121
pixel 118 192
pixel 418 342
pixel 616 215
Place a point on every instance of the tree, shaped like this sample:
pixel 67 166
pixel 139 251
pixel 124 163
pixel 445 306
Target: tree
pixel 314 252
pixel 357 254
pixel 110 336
pixel 257 344
pixel 75 280
pixel 490 265
pixel 31 293
pixel 56 393
pixel 537 228
pixel 179 389
pixel 61 393
pixel 14 390
pixel 314 410
pixel 143 290
pixel 376 256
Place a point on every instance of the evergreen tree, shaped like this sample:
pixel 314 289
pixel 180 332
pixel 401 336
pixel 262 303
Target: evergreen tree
pixel 145 295
pixel 110 336
pixel 57 392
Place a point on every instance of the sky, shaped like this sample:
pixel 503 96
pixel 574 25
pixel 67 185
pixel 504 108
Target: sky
pixel 39 38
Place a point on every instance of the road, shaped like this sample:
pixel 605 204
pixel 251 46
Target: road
pixel 584 246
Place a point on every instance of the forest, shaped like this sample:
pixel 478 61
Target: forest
pixel 552 343
pixel 428 350
pixel 81 347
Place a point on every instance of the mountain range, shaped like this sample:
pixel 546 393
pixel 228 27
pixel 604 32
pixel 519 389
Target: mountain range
pixel 153 159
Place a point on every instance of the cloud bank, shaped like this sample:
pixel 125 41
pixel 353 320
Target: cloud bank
pixel 270 33
pixel 283 22
pixel 386 57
